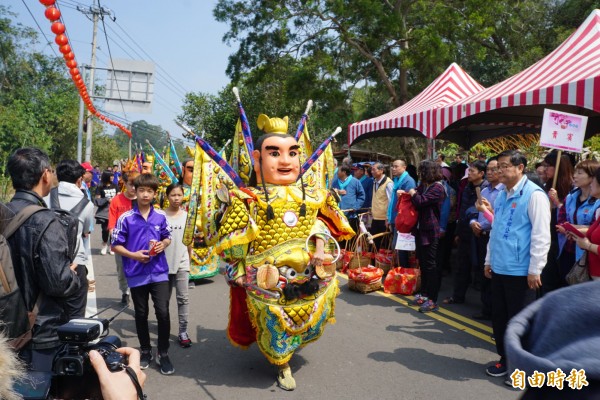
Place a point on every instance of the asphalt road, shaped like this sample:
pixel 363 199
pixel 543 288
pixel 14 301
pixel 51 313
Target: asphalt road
pixel 379 347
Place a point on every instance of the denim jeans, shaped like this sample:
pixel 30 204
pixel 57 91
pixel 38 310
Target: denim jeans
pixel 179 281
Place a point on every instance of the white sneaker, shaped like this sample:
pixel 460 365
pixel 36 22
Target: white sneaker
pixel 112 253
pixel 104 249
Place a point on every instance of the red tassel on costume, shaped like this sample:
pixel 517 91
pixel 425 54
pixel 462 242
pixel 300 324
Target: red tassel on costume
pixel 240 330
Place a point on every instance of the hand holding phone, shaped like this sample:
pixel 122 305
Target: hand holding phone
pixel 571 228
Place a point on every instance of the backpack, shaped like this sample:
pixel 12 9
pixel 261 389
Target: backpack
pixel 69 220
pixel 17 320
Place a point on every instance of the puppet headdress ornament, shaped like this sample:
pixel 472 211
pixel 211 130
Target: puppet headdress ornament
pixel 272 125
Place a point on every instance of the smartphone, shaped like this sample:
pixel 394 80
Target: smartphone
pixel 478 192
pixel 570 228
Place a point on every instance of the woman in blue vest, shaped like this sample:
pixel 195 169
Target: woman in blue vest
pixel 579 209
pixel 564 184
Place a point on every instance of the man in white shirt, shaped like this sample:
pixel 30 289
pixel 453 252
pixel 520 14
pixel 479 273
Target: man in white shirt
pixel 518 247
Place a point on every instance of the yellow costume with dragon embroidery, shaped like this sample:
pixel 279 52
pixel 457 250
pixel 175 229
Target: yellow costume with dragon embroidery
pixel 281 324
pixel 275 227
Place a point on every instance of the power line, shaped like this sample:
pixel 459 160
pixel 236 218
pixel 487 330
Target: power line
pixel 148 55
pixel 111 61
pixel 40 28
pixel 168 85
pixel 156 95
pixel 71 4
pixel 158 79
pixel 62 17
pixel 137 127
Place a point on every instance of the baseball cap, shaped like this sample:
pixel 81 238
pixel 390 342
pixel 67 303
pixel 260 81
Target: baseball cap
pixel 87 166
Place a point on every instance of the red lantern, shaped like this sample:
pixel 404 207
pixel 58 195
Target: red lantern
pixel 74 72
pixel 71 64
pixel 57 28
pixel 69 56
pixel 48 2
pixel 65 49
pixel 52 13
pixel 61 40
pixel 77 76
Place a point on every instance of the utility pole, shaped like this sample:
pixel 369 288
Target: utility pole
pixel 80 121
pixel 96 13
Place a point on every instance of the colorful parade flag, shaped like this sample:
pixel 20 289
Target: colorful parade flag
pixel 163 164
pixel 175 157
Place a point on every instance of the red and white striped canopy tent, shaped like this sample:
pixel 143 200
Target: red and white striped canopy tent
pixel 415 117
pixel 568 79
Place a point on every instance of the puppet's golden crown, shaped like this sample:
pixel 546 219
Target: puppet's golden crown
pixel 272 125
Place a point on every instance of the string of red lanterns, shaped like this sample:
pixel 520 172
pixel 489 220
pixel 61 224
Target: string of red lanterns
pixel 62 41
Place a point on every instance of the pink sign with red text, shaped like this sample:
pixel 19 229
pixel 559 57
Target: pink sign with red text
pixel 563 131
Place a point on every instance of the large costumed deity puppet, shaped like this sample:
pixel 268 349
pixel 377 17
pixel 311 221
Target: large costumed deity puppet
pixel 277 234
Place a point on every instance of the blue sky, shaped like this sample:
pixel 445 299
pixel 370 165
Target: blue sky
pixel 181 36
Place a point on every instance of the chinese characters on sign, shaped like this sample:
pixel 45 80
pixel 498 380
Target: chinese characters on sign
pixel 557 379
pixel 563 131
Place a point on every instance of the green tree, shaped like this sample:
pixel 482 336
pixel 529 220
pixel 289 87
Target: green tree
pixel 38 102
pixel 105 150
pixel 141 131
pixel 385 52
pixel 277 89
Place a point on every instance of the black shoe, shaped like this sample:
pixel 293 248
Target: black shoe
pixel 166 367
pixel 146 358
pixel 498 369
pixel 482 317
pixel 125 299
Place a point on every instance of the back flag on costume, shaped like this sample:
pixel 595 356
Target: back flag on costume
pixel 175 157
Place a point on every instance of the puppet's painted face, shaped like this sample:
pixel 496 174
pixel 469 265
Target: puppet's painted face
pixel 280 160
pixel 188 173
pixel 147 168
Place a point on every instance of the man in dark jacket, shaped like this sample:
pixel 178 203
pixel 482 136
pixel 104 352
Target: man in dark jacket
pixel 362 174
pixel 467 251
pixel 40 256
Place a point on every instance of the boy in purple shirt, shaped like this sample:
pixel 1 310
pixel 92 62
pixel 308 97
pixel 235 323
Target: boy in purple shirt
pixel 147 272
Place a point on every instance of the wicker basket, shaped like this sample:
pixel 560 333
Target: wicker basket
pixel 358 261
pixel 362 252
pixel 364 287
pixel 384 266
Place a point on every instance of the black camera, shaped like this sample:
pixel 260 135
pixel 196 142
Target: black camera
pixel 73 374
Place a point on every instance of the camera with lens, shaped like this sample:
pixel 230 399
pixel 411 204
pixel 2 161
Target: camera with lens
pixel 73 374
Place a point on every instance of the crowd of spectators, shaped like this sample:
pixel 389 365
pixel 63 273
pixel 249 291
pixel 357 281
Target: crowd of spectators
pixel 505 221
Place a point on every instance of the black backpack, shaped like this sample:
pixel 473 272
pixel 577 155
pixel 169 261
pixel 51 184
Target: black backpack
pixel 16 320
pixel 69 219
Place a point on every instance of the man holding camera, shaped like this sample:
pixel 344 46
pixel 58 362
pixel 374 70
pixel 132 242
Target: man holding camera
pixel 40 258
